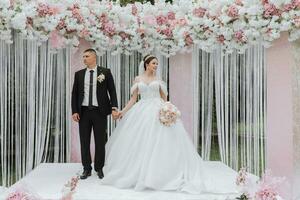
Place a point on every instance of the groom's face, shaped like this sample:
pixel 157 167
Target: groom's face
pixel 89 59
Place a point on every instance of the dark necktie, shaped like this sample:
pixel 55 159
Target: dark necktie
pixel 91 89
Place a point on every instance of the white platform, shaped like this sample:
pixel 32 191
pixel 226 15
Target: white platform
pixel 47 180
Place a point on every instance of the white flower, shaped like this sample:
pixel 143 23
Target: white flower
pixel 19 21
pixel 101 78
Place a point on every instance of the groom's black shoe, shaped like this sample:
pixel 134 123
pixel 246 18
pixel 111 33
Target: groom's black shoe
pixel 100 174
pixel 85 174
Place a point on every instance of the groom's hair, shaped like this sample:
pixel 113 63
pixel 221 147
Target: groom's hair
pixel 90 51
pixel 147 59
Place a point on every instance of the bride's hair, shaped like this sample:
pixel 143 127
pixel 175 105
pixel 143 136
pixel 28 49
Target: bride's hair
pixel 147 59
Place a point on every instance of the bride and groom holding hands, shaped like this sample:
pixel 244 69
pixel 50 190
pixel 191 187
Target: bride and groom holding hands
pixel 141 153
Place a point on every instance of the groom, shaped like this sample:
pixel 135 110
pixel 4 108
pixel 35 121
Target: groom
pixel 90 106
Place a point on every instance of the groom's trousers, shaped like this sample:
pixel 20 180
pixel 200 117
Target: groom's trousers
pixel 92 118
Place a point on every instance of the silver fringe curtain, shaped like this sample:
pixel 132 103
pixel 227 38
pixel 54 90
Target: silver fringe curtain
pixel 34 99
pixel 230 107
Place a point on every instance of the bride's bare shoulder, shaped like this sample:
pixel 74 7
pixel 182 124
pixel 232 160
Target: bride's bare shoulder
pixel 137 79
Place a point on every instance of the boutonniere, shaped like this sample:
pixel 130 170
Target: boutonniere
pixel 101 78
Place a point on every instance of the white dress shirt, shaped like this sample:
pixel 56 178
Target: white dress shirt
pixel 87 87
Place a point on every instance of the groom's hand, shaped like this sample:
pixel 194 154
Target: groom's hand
pixel 115 114
pixel 76 117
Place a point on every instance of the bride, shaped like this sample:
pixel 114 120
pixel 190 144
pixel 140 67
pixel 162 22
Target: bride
pixel 144 154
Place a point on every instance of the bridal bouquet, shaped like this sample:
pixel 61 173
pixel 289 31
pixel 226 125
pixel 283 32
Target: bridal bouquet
pixel 168 114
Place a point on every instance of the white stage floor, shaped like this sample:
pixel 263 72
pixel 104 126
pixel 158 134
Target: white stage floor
pixel 48 179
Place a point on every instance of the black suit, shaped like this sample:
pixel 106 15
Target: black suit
pixel 95 118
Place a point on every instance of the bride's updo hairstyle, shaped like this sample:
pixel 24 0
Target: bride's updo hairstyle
pixel 147 59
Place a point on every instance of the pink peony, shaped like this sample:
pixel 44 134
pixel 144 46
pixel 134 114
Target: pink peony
pixel 296 3
pixel 288 7
pixel 171 15
pixel 160 19
pixel 84 32
pixel 168 32
pixel 182 22
pixel 123 35
pixel 270 10
pixel 233 11
pixel 240 36
pixel 188 39
pixel 221 39
pixel 109 28
pixel 103 18
pixel 266 193
pixel 149 19
pixel 239 2
pixel 61 24
pixel 134 9
pixel 297 21
pixel 141 31
pixel 76 14
pixel 199 12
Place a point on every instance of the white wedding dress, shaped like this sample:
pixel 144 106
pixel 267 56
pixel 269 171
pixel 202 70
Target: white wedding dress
pixel 144 154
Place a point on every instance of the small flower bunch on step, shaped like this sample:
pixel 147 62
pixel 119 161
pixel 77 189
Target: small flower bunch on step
pixel 69 188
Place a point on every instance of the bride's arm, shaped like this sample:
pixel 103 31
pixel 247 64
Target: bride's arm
pixel 163 91
pixel 162 95
pixel 130 103
pixel 132 100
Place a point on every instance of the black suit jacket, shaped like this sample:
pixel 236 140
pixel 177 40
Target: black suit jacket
pixel 105 91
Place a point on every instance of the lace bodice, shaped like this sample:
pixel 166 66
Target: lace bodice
pixel 150 90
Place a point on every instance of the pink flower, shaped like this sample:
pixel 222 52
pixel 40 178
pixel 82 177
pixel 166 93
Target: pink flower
pixel 123 35
pixel 296 3
pixel 56 40
pixel 182 21
pixel 199 12
pixel 171 15
pixel 160 19
pixel 168 32
pixel 188 39
pixel 288 7
pixel 221 39
pixel 151 20
pixel 29 21
pixel 240 36
pixel 233 11
pixel 134 9
pixel 109 28
pixel 76 14
pixel 270 10
pixel 84 32
pixel 297 21
pixel 268 187
pixel 266 194
pixel 141 31
pixel 61 24
pixel 103 18
pixel 239 2
pixel 17 195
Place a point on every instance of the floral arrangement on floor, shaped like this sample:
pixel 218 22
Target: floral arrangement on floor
pixel 69 188
pixel 168 114
pixel 22 192
pixel 267 188
pixel 168 28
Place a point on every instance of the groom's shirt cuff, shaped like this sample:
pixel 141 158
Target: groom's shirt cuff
pixel 114 108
